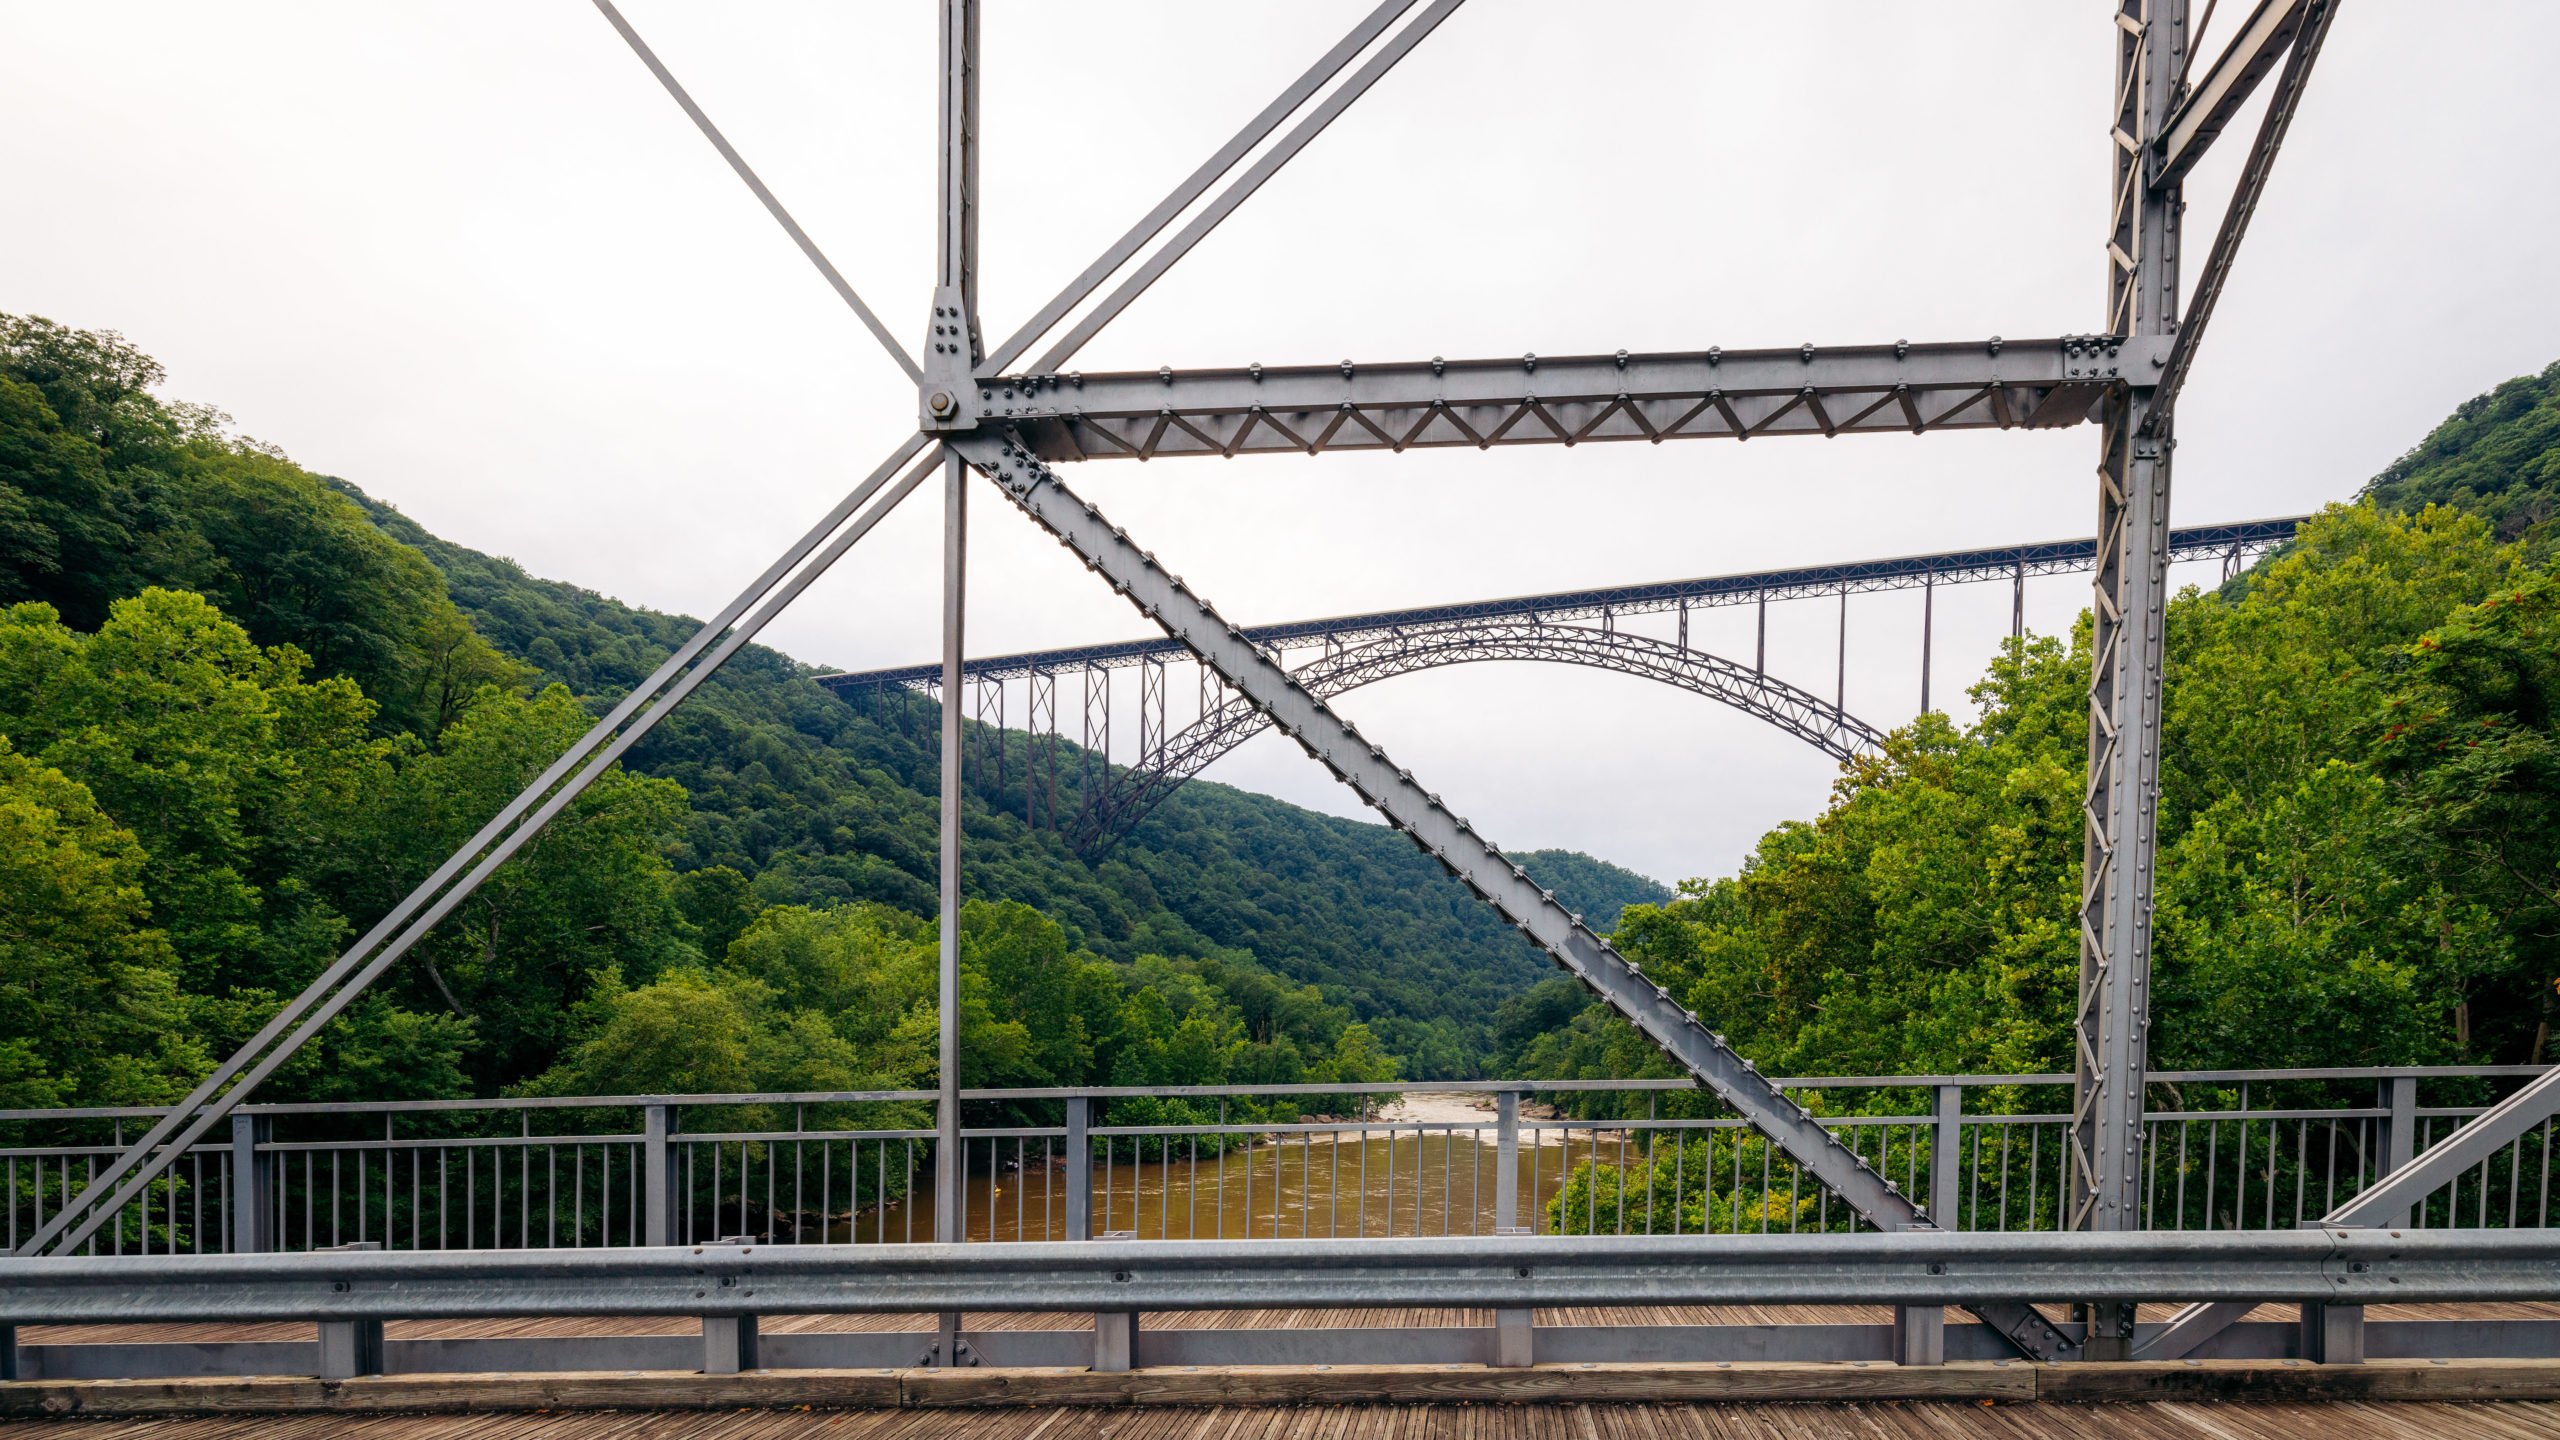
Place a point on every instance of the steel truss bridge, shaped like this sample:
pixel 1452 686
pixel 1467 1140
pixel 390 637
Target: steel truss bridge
pixel 1018 412
pixel 1356 650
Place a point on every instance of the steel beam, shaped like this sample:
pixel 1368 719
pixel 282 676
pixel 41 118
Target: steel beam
pixel 2225 86
pixel 949 1172
pixel 2121 787
pixel 950 355
pixel 1476 861
pixel 516 824
pixel 1542 400
pixel 2342 1267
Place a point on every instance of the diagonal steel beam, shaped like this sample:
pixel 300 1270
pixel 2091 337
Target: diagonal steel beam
pixel 1324 114
pixel 1196 184
pixel 2225 87
pixel 1468 855
pixel 791 227
pixel 1898 388
pixel 2487 1133
pixel 2281 106
pixel 523 817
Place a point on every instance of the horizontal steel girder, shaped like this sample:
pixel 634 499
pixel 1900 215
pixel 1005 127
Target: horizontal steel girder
pixel 1848 577
pixel 2339 1267
pixel 1534 400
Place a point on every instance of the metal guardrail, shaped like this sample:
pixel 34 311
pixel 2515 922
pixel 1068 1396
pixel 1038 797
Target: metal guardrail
pixel 2250 1150
pixel 1909 1268
pixel 2331 1274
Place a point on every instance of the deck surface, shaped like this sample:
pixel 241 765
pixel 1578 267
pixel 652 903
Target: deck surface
pixel 1885 1420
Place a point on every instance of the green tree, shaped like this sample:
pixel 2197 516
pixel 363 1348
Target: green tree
pixel 90 1012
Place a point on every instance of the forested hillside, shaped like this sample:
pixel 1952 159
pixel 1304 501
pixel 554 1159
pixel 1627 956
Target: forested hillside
pixel 2359 823
pixel 244 708
pixel 820 800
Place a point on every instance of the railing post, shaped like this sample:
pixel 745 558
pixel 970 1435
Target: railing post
pixel 729 1341
pixel 2399 1134
pixel 657 1177
pixel 9 1352
pixel 2332 1334
pixel 1115 1332
pixel 1506 1162
pixel 1079 1169
pixel 253 1185
pixel 1946 1159
pixel 1919 1335
pixel 349 1348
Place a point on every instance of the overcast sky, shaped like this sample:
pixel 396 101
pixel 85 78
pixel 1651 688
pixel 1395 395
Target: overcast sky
pixel 469 256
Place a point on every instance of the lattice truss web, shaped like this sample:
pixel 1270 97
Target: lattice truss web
pixel 1014 410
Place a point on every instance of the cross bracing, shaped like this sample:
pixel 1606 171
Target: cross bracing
pixel 980 409
pixel 1852 577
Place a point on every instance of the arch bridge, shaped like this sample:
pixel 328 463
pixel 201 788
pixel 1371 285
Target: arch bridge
pixel 1580 627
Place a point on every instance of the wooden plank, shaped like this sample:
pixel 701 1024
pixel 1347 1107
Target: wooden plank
pixel 2208 1400
pixel 2295 1380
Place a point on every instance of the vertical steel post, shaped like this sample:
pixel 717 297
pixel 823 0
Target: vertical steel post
pixel 253 1185
pixel 1928 628
pixel 1760 650
pixel 1506 1150
pixel 951 361
pixel 9 1353
pixel 349 1348
pixel 2333 1334
pixel 948 1173
pixel 1079 1169
pixel 1840 686
pixel 1946 1158
pixel 729 1341
pixel 1515 1332
pixel 2399 1138
pixel 2120 802
pixel 658 1177
pixel 2018 603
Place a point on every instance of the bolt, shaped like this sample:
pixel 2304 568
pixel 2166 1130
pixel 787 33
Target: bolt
pixel 939 402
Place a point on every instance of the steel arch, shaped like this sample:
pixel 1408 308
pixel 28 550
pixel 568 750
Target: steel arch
pixel 1129 796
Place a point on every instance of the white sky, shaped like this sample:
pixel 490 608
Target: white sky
pixel 469 256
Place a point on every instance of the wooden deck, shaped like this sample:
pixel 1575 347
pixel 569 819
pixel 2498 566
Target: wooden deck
pixel 1883 1420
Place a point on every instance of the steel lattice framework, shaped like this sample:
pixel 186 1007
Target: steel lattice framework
pixel 987 408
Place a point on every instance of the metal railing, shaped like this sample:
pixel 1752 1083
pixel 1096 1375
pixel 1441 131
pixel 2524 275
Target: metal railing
pixel 2228 1150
